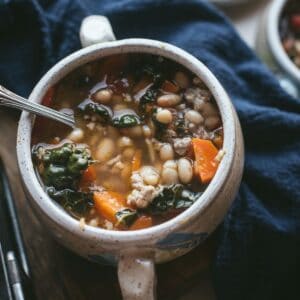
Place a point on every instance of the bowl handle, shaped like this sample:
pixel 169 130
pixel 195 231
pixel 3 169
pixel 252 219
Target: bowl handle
pixel 136 274
pixel 137 277
pixel 95 29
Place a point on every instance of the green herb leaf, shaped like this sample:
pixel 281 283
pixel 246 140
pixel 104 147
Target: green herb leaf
pixel 90 107
pixel 125 121
pixel 62 165
pixel 149 96
pixel 173 197
pixel 75 202
pixel 180 127
pixel 126 216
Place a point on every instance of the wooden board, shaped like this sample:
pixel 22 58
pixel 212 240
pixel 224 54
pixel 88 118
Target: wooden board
pixel 61 275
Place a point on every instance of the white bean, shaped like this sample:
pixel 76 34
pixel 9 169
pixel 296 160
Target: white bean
pixel 168 100
pixel 164 116
pixel 150 175
pixel 76 135
pixel 194 117
pixel 166 152
pixel 182 80
pixel 185 170
pixel 103 96
pixel 170 164
pixel 135 131
pixel 209 109
pixel 212 122
pixel 169 176
pixel 124 141
pixel 105 150
pixel 169 172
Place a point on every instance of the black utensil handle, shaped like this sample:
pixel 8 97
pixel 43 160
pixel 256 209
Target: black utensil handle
pixel 10 233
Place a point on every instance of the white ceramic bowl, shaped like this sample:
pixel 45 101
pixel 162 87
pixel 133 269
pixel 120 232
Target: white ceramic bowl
pixel 137 249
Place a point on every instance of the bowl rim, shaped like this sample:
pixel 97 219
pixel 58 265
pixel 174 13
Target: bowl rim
pixel 88 54
pixel 274 41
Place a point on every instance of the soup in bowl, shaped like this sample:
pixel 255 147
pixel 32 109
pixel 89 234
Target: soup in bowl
pixel 289 30
pixel 152 166
pixel 148 141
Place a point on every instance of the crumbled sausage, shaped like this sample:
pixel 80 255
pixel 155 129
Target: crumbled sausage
pixel 197 93
pixel 142 194
pixel 181 145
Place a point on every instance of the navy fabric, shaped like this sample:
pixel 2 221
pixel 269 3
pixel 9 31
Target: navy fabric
pixel 259 242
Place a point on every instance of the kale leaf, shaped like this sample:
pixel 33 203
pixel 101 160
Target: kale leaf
pixel 90 107
pixel 63 165
pixel 173 197
pixel 125 121
pixel 149 96
pixel 76 202
pixel 180 127
pixel 126 216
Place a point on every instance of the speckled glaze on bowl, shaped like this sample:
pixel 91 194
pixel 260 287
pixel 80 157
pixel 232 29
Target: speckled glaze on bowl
pixel 159 243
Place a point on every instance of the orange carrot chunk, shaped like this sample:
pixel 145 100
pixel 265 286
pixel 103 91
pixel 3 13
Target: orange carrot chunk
pixel 205 153
pixel 108 204
pixel 89 175
pixel 141 223
pixel 136 160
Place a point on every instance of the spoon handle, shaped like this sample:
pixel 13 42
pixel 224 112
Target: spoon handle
pixel 8 98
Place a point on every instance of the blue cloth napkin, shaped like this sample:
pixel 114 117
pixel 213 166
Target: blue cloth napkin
pixel 258 254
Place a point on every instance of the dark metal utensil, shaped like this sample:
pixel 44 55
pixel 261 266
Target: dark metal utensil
pixel 13 256
pixel 10 99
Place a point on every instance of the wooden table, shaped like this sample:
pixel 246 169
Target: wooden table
pixel 60 275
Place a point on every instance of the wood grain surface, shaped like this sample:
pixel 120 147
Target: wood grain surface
pixel 59 274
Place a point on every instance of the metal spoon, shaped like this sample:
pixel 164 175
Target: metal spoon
pixel 8 98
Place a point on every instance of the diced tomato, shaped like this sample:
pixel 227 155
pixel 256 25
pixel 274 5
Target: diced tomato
pixel 47 100
pixel 295 22
pixel 88 176
pixel 141 223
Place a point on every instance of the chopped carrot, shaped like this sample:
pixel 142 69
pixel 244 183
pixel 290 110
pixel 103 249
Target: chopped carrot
pixel 88 176
pixel 170 87
pixel 108 204
pixel 136 160
pixel 205 152
pixel 141 223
